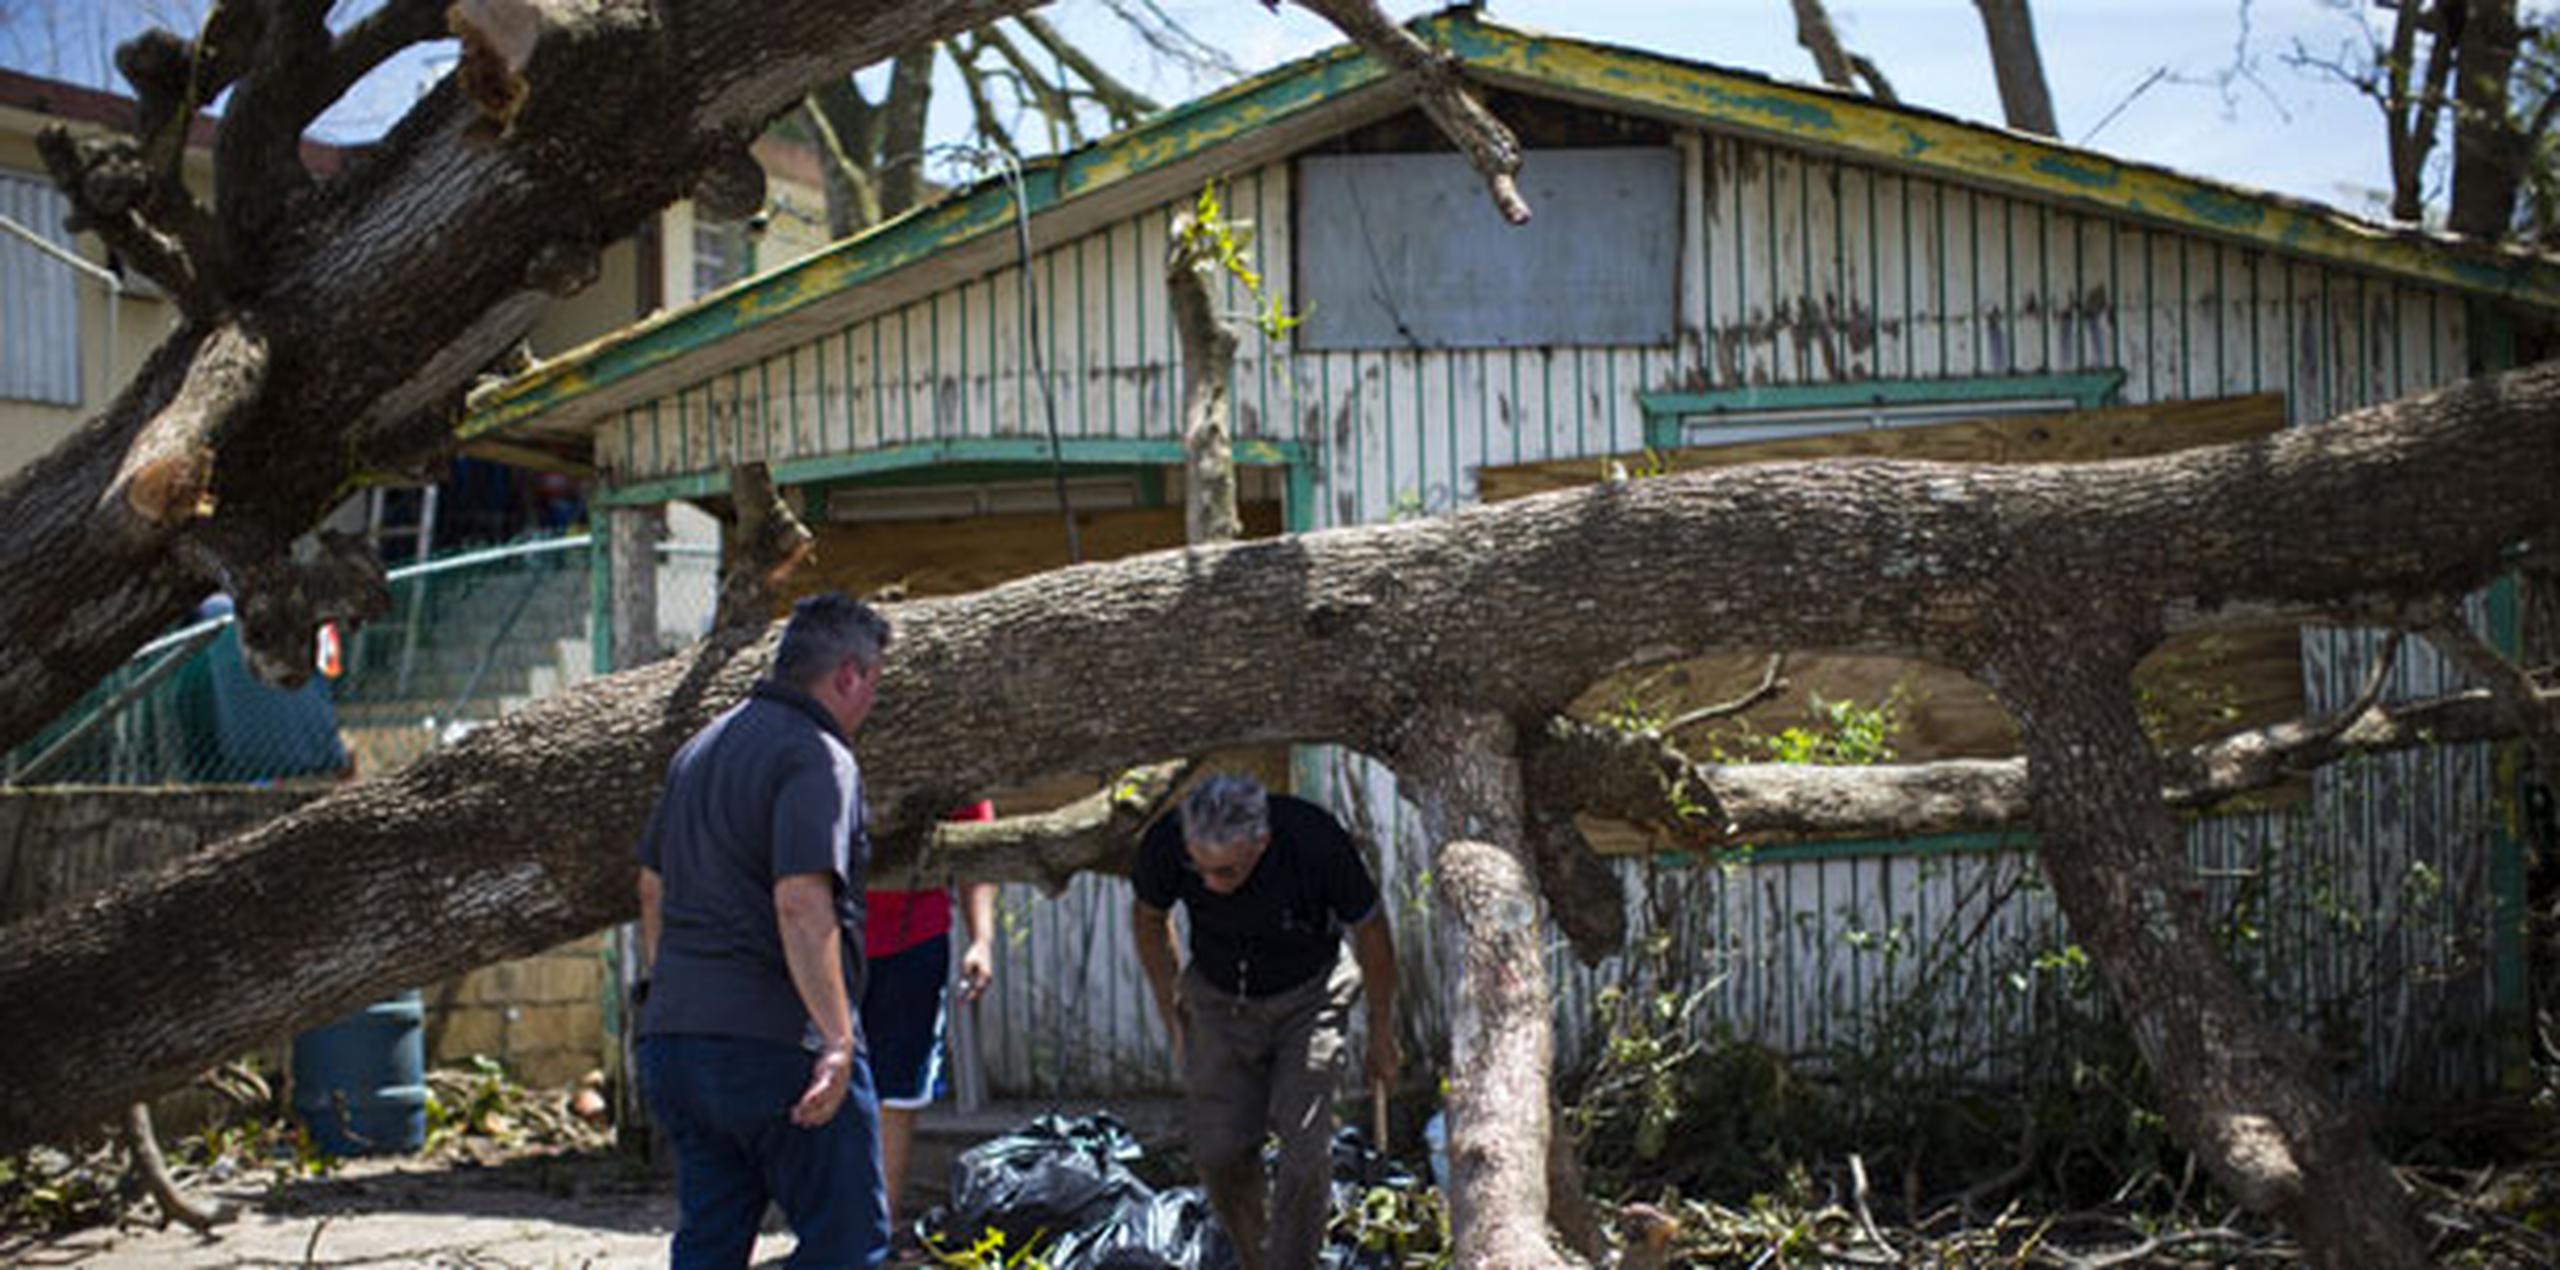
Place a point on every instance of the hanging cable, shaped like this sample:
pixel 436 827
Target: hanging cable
pixel 1029 323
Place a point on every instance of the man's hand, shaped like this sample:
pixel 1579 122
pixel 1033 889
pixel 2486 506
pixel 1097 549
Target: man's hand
pixel 977 969
pixel 1386 1054
pixel 829 1078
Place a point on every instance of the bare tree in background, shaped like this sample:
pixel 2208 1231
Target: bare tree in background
pixel 1020 73
pixel 2479 67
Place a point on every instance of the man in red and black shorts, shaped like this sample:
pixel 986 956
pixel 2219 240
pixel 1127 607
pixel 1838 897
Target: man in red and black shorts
pixel 906 949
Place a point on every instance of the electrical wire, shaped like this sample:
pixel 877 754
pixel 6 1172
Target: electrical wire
pixel 1010 168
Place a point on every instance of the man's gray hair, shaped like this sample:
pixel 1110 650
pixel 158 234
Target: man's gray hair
pixel 1226 809
pixel 826 631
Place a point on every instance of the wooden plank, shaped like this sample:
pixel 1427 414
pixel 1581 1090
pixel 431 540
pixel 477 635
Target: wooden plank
pixel 952 556
pixel 2117 432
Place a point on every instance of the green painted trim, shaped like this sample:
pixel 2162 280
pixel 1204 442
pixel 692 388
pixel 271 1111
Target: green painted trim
pixel 1941 146
pixel 600 593
pixel 1151 485
pixel 1087 452
pixel 2493 337
pixel 1298 514
pixel 1663 411
pixel 2493 348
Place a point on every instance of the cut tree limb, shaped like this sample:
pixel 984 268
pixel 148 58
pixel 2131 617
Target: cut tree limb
pixel 1601 771
pixel 166 478
pixel 2520 701
pixel 1094 834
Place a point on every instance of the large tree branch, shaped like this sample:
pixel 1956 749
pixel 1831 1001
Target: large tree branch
pixel 1460 769
pixel 442 237
pixel 257 150
pixel 2236 1089
pixel 1642 780
pixel 1334 637
pixel 1442 92
pixel 142 214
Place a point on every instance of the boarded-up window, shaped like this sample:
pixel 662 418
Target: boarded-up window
pixel 39 298
pixel 1406 251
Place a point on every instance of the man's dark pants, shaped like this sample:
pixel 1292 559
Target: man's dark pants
pixel 725 1104
pixel 1267 1066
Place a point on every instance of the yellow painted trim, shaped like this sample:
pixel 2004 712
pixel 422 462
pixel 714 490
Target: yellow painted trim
pixel 1898 137
pixel 1921 141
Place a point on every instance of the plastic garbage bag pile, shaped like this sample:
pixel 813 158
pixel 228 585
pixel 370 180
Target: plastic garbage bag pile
pixel 1064 1188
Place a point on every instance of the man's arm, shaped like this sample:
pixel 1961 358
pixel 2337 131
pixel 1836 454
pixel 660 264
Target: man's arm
pixel 1375 950
pixel 1152 928
pixel 804 905
pixel 653 891
pixel 978 963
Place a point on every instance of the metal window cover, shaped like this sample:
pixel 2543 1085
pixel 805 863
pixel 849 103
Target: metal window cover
pixel 1405 251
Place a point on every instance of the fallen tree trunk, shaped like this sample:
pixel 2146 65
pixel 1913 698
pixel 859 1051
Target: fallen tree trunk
pixel 518 838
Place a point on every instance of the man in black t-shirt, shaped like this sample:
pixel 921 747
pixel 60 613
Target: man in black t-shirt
pixel 1258 1015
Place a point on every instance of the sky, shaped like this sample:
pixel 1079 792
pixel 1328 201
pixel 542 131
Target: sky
pixel 2208 87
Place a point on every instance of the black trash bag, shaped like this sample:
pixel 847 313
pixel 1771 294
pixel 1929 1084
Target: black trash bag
pixel 1169 1228
pixel 1050 1177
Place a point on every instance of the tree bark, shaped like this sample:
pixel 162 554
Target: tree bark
pixel 1208 365
pixel 442 237
pixel 518 838
pixel 1458 766
pixel 2238 1091
pixel 1818 37
pixel 761 543
pixel 900 161
pixel 2015 61
pixel 2490 149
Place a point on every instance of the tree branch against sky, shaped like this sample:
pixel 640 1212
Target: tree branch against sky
pixel 2290 133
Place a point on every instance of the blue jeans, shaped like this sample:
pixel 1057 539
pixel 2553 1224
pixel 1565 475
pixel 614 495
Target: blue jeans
pixel 725 1104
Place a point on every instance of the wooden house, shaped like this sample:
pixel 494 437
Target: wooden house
pixel 1722 266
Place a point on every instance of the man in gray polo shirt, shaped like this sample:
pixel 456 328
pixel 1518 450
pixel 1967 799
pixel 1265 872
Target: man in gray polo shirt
pixel 751 927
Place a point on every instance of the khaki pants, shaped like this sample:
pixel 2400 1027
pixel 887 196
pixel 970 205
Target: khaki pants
pixel 1267 1065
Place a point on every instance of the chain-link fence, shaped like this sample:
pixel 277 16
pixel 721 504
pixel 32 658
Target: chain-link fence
pixel 470 637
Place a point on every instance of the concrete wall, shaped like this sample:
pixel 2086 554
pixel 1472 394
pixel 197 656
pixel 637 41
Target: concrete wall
pixel 58 845
pixel 541 1016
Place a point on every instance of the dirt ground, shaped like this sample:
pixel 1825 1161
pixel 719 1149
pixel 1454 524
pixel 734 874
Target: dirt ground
pixel 563 1209
pixel 535 1209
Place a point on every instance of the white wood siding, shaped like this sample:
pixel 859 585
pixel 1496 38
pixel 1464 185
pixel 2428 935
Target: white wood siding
pixel 1795 269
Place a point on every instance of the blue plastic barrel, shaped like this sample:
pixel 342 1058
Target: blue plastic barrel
pixel 360 1084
